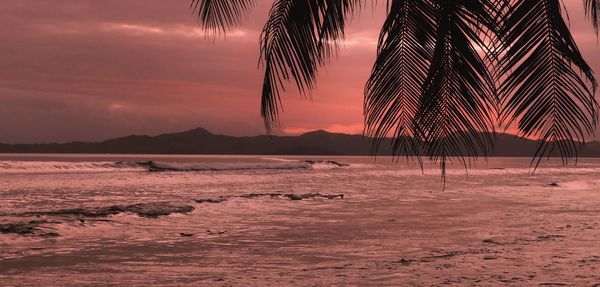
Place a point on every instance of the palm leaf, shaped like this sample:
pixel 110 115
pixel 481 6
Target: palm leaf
pixel 592 9
pixel 456 113
pixel 298 38
pixel 430 85
pixel 392 93
pixel 220 15
pixel 544 90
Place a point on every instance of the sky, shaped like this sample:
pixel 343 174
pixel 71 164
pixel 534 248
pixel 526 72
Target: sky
pixel 89 70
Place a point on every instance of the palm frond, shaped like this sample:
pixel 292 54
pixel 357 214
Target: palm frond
pixel 430 85
pixel 544 91
pixel 298 38
pixel 456 113
pixel 592 9
pixel 220 15
pixel 392 93
pixel 333 24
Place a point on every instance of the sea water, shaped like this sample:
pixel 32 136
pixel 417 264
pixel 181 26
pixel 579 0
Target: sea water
pixel 391 210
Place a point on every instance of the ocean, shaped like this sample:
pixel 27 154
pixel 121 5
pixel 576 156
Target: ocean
pixel 179 220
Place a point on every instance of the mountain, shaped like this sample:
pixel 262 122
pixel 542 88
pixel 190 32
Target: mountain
pixel 201 141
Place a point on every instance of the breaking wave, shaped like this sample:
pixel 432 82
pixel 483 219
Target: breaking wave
pixel 66 167
pixel 306 164
pixel 82 167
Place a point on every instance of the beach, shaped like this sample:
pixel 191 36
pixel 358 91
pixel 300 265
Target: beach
pixel 106 220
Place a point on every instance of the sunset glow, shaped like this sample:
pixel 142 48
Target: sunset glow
pixel 119 68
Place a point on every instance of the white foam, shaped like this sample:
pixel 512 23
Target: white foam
pixel 12 167
pixel 66 167
pixel 280 165
pixel 279 159
pixel 325 165
pixel 162 166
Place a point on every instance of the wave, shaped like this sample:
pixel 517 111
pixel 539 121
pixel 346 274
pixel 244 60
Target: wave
pixel 66 167
pixel 281 165
pixel 279 159
pixel 122 166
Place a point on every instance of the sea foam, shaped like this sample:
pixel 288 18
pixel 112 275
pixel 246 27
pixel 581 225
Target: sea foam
pixel 280 165
pixel 155 166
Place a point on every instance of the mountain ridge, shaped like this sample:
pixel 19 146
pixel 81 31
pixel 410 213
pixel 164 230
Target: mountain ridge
pixel 202 141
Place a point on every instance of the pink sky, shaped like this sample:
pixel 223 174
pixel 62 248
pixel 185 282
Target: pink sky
pixel 90 70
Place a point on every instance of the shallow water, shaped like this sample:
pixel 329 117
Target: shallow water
pixel 394 226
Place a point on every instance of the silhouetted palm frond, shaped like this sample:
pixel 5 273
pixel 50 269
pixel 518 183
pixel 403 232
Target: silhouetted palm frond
pixel 298 38
pixel 543 92
pixel 592 9
pixel 456 116
pixel 431 86
pixel 220 15
pixel 392 94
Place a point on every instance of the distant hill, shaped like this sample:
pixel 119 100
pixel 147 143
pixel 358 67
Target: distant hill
pixel 201 141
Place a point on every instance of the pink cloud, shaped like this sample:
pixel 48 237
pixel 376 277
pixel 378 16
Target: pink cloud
pixel 96 69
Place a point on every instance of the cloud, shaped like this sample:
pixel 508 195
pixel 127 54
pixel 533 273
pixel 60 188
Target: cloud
pixel 91 69
pixel 135 29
